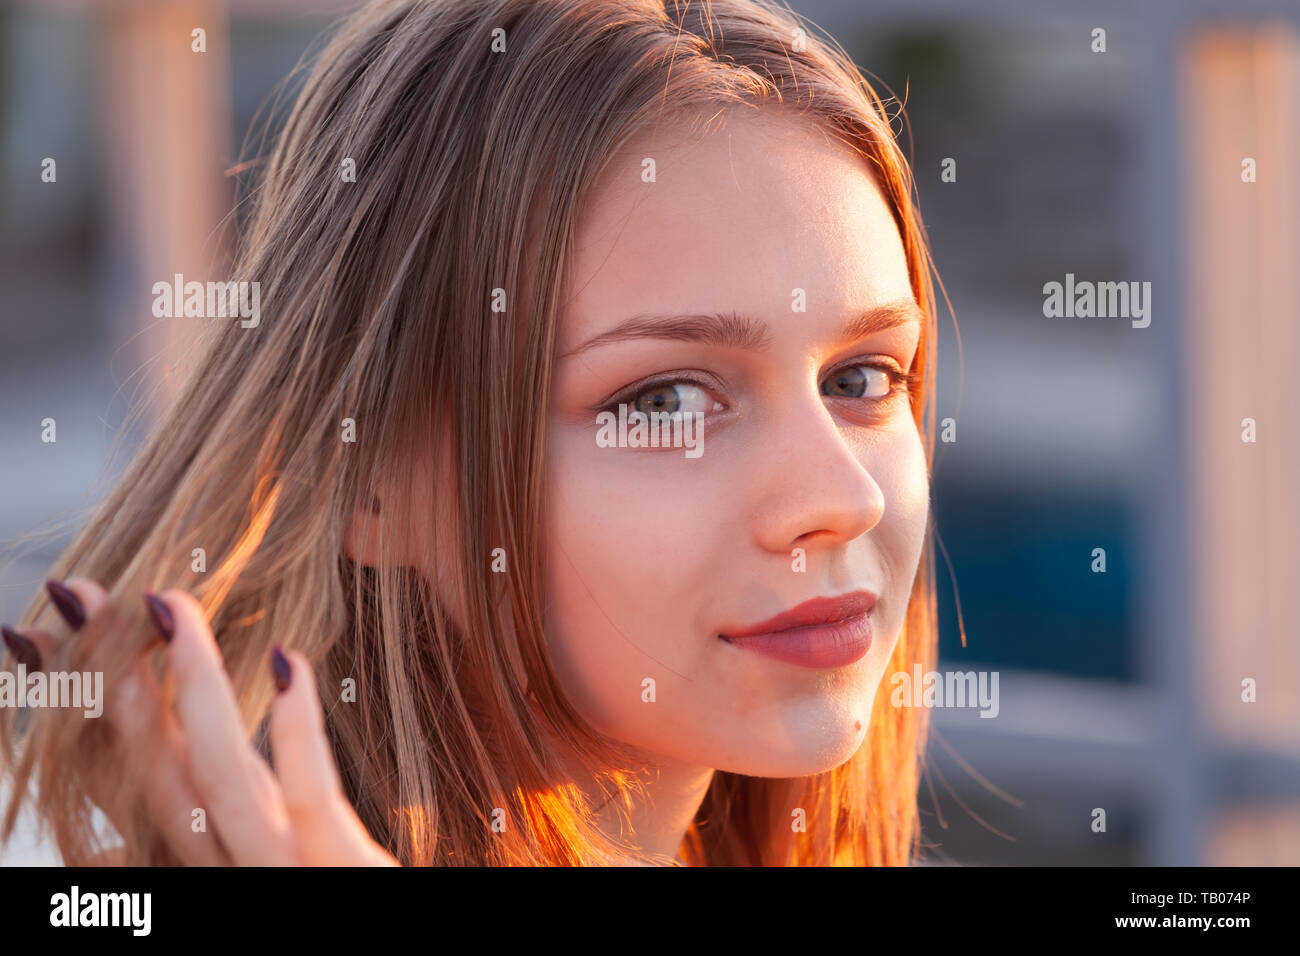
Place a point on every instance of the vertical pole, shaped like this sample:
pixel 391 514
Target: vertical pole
pixel 1176 792
pixel 1243 320
pixel 166 128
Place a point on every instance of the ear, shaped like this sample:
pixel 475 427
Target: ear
pixel 411 522
pixel 361 538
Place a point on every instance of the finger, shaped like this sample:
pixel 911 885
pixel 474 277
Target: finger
pixel 29 648
pixel 75 600
pixel 152 747
pixel 150 744
pixel 235 784
pixel 327 829
pixel 155 751
pixel 85 607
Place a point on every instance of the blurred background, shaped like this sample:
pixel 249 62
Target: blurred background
pixel 1120 690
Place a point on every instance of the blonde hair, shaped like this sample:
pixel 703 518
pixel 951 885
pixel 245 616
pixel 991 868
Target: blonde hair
pixel 472 166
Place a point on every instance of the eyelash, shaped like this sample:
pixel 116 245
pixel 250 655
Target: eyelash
pixel 901 383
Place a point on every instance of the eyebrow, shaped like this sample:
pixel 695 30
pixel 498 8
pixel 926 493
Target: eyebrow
pixel 729 330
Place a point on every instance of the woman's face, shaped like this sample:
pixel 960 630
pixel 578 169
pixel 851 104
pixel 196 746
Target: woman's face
pixel 809 480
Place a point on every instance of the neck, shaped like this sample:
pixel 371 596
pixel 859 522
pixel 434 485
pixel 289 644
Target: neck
pixel 661 814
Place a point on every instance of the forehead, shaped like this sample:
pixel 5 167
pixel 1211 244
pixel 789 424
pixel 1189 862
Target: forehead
pixel 736 219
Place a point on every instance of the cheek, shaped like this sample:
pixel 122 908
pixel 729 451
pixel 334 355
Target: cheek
pixel 897 463
pixel 624 555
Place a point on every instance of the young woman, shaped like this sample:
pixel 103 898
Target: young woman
pixel 391 542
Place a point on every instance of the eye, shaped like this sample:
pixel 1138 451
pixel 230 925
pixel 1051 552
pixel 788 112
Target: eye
pixel 674 397
pixel 667 398
pixel 873 382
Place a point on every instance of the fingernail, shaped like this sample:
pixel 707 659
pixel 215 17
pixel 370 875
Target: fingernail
pixel 67 603
pixel 23 650
pixel 161 614
pixel 280 669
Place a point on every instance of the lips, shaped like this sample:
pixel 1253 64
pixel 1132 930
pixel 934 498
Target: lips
pixel 821 633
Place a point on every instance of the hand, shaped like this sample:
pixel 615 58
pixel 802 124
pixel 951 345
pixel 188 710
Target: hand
pixel 197 756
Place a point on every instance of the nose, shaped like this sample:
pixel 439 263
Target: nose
pixel 814 489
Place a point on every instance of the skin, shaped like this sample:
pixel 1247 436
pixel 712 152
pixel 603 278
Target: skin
pixel 196 755
pixel 651 554
pixel 654 554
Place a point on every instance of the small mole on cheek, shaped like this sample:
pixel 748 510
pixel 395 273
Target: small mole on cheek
pixel 857 725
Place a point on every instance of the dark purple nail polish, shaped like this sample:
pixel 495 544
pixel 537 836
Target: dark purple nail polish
pixel 162 616
pixel 23 650
pixel 66 603
pixel 280 669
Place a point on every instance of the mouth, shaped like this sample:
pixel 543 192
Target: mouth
pixel 826 632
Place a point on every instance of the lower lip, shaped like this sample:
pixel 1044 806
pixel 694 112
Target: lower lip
pixel 820 647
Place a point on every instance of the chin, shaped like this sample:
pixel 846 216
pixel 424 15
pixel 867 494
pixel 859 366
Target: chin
pixel 818 758
pixel 814 737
